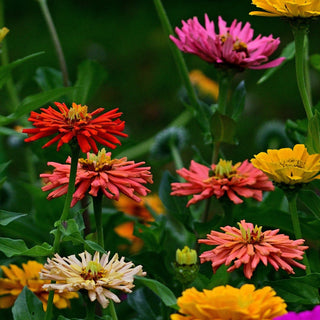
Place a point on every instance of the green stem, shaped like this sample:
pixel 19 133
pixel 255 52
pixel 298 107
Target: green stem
pixel 300 39
pixel 97 208
pixel 56 41
pixel 75 151
pixel 224 86
pixel 112 310
pixel 176 155
pixel 292 200
pixel 12 91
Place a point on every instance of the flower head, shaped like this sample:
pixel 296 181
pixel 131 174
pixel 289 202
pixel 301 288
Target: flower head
pixel 205 86
pixel 289 166
pixel 16 279
pixel 304 315
pixel 99 173
pixel 231 47
pixel 78 123
pixel 97 276
pixel 287 8
pixel 226 302
pixel 249 245
pixel 241 179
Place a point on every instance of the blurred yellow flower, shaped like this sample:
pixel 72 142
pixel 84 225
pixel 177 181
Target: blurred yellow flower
pixel 226 302
pixel 287 8
pixel 186 256
pixel 17 278
pixel 3 33
pixel 289 166
pixel 205 85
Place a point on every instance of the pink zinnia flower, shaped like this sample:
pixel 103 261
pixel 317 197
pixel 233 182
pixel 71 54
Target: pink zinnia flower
pixel 248 245
pixel 241 179
pixel 304 315
pixel 233 46
pixel 99 173
pixel 77 123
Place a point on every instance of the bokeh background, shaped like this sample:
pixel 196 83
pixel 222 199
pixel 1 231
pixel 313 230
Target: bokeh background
pixel 127 39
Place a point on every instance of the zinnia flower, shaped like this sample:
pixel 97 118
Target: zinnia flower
pixel 17 278
pixel 97 276
pixel 99 173
pixel 226 302
pixel 304 315
pixel 289 166
pixel 287 8
pixel 241 179
pixel 78 123
pixel 232 46
pixel 205 86
pixel 249 245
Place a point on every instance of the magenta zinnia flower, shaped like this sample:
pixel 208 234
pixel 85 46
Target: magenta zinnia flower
pixel 248 245
pixel 241 179
pixel 78 123
pixel 233 46
pixel 99 173
pixel 304 315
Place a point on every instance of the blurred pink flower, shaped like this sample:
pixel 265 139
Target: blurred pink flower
pixel 99 173
pixel 241 179
pixel 233 46
pixel 248 245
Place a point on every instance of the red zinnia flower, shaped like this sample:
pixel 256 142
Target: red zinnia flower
pixel 248 245
pixel 241 179
pixel 76 122
pixel 99 173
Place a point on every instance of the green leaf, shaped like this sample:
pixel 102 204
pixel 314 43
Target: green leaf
pixel 94 246
pixel 288 52
pixel 27 306
pixel 313 138
pixel 90 77
pixel 315 61
pixel 223 128
pixel 3 166
pixel 163 292
pixel 238 100
pixel 48 78
pixel 17 247
pixel 311 200
pixel 5 70
pixel 6 217
pixel 298 290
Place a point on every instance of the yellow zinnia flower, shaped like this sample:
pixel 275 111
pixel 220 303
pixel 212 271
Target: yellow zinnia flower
pixel 226 302
pixel 17 278
pixel 205 85
pixel 287 8
pixel 289 166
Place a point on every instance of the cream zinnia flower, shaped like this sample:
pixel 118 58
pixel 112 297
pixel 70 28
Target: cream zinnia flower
pixel 97 276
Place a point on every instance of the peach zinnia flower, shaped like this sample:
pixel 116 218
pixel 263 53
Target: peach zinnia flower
pixel 289 166
pixel 203 182
pixel 226 302
pixel 97 276
pixel 232 47
pixel 78 123
pixel 248 245
pixel 99 173
pixel 17 278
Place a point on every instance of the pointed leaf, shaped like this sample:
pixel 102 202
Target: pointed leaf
pixel 6 217
pixel 48 78
pixel 27 306
pixel 223 128
pixel 238 100
pixel 311 201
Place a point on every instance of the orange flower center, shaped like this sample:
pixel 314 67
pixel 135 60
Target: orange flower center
pixel 98 162
pixel 292 163
pixel 251 236
pixel 93 271
pixel 238 45
pixel 78 113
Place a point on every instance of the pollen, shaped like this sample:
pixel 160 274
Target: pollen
pixel 93 271
pixel 78 112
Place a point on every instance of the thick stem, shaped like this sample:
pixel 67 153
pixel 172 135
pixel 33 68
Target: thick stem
pixel 112 310
pixel 224 86
pixel 56 41
pixel 292 200
pixel 300 39
pixel 97 208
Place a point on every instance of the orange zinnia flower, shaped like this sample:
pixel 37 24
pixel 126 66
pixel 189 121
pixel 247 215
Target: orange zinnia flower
pixel 248 245
pixel 78 123
pixel 222 179
pixel 17 278
pixel 99 173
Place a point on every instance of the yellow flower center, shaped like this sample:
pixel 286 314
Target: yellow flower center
pixel 240 46
pixel 93 271
pixel 78 112
pixel 186 256
pixel 251 236
pixel 292 163
pixel 98 162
